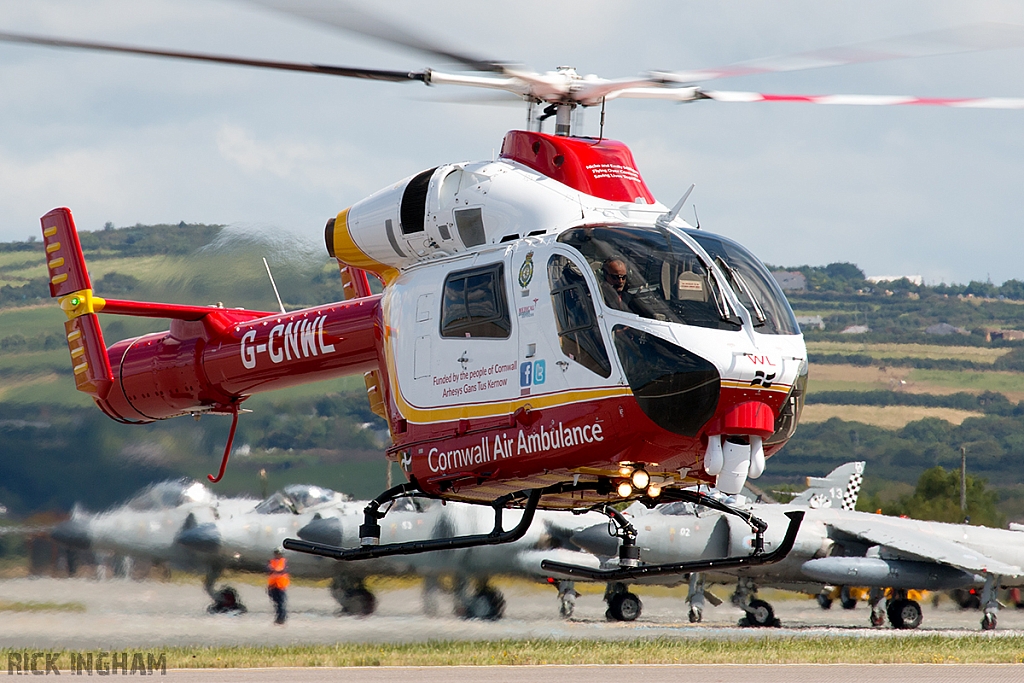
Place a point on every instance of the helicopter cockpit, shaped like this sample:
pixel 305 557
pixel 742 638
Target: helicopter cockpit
pixel 654 274
pixel 299 498
pixel 166 495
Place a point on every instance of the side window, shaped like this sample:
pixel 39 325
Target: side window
pixel 475 305
pixel 578 333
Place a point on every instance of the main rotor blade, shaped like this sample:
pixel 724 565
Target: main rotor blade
pixel 968 38
pixel 692 94
pixel 869 100
pixel 347 17
pixel 347 71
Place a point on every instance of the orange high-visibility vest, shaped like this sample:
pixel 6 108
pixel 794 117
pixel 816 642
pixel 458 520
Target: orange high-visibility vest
pixel 278 569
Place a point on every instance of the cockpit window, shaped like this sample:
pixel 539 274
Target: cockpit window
pixel 578 333
pixel 652 273
pixel 474 304
pixel 677 509
pixel 170 494
pixel 755 287
pixel 298 498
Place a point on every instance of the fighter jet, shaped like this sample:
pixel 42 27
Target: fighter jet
pixel 247 540
pixel 835 545
pixel 147 525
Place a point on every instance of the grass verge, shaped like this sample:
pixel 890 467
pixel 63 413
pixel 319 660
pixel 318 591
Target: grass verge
pixel 33 606
pixel 924 649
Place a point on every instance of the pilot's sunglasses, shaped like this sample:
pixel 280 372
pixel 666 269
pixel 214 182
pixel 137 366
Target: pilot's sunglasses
pixel 617 277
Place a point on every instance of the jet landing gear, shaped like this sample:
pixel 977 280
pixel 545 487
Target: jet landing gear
pixel 353 597
pixel 902 612
pixel 567 595
pixel 989 603
pixel 225 600
pixel 697 596
pixel 485 602
pixel 758 612
pixel 622 604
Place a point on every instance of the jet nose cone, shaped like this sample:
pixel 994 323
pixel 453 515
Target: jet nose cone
pixel 72 533
pixel 596 540
pixel 324 530
pixel 203 538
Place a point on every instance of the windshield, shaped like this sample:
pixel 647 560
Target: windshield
pixel 677 509
pixel 754 286
pixel 170 494
pixel 298 498
pixel 652 273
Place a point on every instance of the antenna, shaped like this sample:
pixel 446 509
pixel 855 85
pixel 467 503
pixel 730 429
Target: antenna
pixel 274 285
pixel 600 135
pixel 696 218
pixel 667 218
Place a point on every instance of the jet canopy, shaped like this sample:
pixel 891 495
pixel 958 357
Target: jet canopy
pixel 299 498
pixel 170 494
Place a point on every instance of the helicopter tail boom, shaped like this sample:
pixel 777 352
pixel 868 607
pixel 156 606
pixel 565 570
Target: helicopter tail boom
pixel 212 358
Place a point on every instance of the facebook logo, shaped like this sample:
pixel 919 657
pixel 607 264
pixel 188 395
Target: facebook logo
pixel 526 374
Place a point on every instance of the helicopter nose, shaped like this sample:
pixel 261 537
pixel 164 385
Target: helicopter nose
pixel 72 533
pixel 322 530
pixel 597 541
pixel 203 538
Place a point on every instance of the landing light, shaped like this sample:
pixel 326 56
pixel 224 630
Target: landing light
pixel 640 479
pixel 654 491
pixel 625 489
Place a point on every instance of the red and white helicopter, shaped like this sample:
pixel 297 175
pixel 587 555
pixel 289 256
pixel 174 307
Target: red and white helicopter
pixel 549 334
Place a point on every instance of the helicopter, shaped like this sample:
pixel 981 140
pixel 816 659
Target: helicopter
pixel 549 334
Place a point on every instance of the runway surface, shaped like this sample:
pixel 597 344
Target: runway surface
pixel 121 613
pixel 726 673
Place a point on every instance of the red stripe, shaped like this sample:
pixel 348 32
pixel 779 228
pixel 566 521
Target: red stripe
pixel 788 98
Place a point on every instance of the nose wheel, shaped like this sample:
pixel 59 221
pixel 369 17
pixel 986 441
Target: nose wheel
pixel 622 604
pixel 904 614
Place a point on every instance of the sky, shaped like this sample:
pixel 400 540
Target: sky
pixel 897 190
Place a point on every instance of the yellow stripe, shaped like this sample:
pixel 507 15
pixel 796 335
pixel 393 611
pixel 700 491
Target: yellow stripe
pixel 50 231
pixel 346 251
pixel 80 368
pixel 74 335
pixel 57 279
pixel 50 248
pixel 56 263
pixel 77 351
pixel 779 388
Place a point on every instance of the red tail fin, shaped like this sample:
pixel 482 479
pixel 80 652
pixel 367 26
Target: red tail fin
pixel 69 281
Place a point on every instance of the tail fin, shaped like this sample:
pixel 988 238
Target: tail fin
pixel 839 489
pixel 69 282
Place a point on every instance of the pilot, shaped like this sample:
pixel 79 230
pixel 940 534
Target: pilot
pixel 613 284
pixel 277 584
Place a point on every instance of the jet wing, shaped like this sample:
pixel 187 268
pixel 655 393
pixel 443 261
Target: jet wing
pixel 926 546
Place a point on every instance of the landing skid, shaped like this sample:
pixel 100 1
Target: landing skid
pixel 629 554
pixel 630 567
pixel 369 531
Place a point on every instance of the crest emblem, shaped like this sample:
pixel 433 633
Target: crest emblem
pixel 526 271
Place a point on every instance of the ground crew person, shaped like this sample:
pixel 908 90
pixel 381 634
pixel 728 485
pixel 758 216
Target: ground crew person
pixel 277 584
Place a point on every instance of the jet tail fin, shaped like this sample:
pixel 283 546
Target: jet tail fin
pixel 839 489
pixel 70 284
